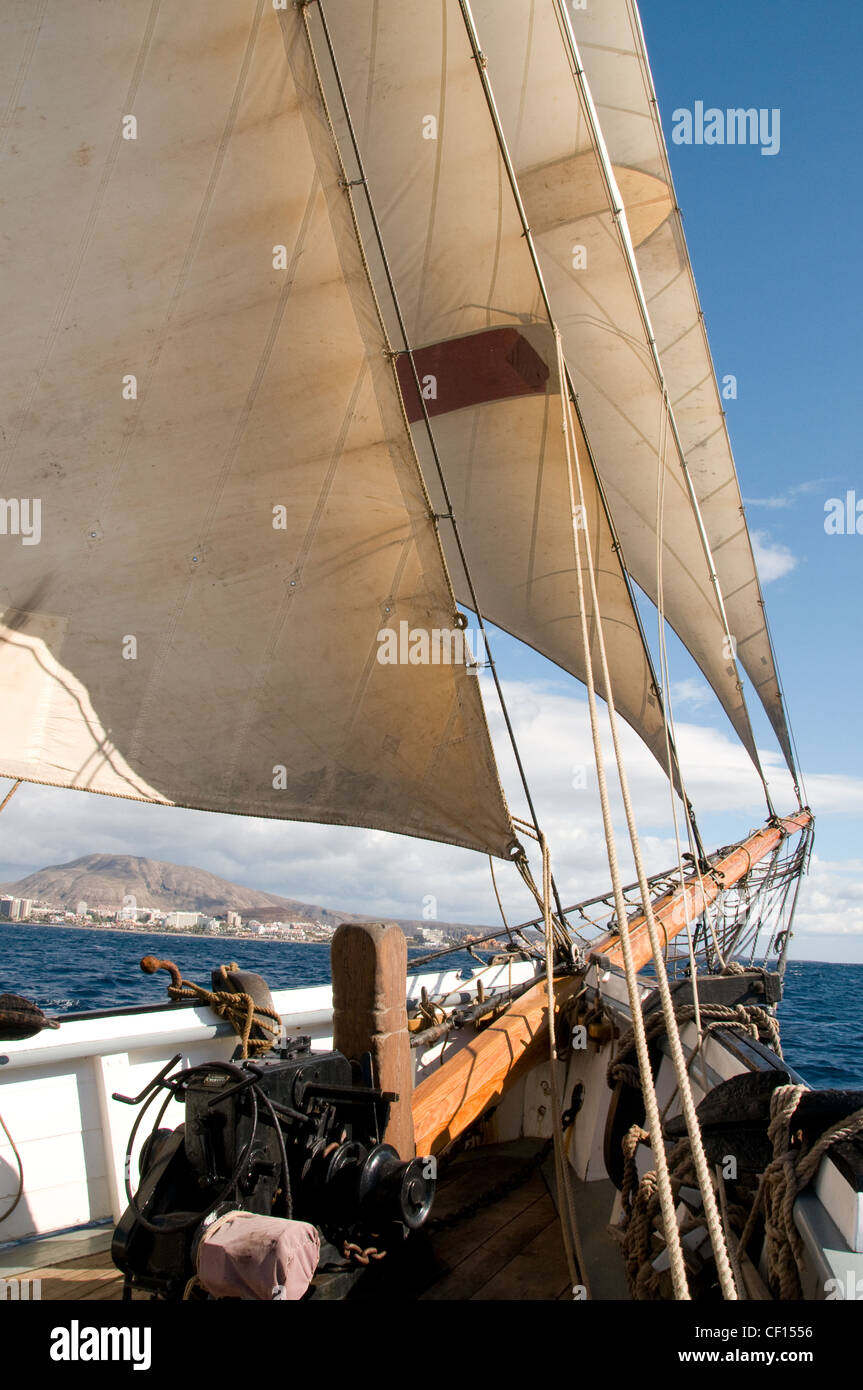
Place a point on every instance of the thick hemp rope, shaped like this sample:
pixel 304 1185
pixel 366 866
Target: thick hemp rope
pixel 240 1010
pixel 789 1173
pixel 568 1221
pixel 651 1105
pixel 687 1101
pixel 782 1182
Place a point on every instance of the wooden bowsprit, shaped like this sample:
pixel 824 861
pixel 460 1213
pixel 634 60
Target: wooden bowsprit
pixel 475 1077
pixel 671 912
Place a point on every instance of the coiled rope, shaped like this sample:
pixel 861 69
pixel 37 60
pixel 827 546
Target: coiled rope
pixel 790 1173
pixel 782 1182
pixel 750 1018
pixel 240 1010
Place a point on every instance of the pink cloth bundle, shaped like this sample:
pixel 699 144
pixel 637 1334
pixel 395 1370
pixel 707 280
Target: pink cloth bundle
pixel 244 1255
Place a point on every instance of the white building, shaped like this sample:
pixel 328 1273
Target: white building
pixel 177 921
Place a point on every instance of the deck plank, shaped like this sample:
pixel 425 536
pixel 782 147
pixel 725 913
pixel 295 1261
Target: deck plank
pixel 537 1272
pixel 94 1276
pixel 455 1243
pixel 509 1249
pixel 492 1255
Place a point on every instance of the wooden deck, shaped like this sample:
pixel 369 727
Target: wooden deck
pixel 510 1249
pixel 89 1277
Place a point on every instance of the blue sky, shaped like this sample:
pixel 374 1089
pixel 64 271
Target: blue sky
pixel 775 247
pixel 774 243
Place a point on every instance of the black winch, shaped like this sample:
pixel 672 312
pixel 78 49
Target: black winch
pixel 294 1134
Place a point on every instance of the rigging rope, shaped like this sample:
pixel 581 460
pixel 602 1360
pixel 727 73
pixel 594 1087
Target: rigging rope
pixel 668 711
pixel 569 1225
pixel 9 795
pixel 497 894
pixel 678 1270
pixel 651 1105
pixel 619 216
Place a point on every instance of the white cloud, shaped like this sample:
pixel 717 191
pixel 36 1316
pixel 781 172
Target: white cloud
pixel 690 692
pixel 377 873
pixel 831 906
pixel 790 498
pixel 773 560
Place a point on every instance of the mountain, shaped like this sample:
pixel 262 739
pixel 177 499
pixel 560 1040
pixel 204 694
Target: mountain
pixel 106 879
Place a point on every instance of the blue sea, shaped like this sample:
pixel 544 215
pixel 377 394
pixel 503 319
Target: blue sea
pixel 67 970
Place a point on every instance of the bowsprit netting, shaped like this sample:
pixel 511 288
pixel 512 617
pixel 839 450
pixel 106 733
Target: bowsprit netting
pixel 751 922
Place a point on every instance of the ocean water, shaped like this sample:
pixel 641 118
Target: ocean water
pixel 821 1023
pixel 67 970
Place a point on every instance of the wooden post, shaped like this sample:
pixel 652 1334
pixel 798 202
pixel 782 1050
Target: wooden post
pixel 369 968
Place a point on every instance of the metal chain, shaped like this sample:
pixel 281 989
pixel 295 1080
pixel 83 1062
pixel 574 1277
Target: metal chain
pixel 359 1255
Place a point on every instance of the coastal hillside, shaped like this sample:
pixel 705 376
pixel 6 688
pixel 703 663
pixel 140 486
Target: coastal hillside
pixel 106 879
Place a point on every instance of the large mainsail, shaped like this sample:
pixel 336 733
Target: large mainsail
pixel 201 416
pixel 611 45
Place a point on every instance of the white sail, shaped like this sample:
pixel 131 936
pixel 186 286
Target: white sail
pixel 199 409
pixel 570 201
pixel 485 354
pixel 460 264
pixel 611 45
